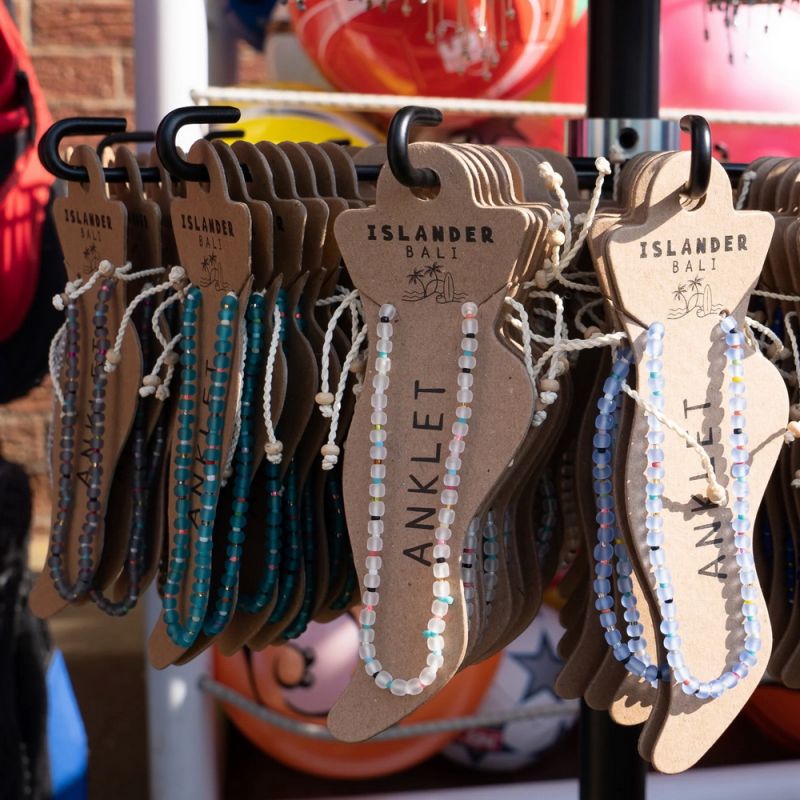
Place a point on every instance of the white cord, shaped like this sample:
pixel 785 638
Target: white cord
pixel 587 308
pixel 525 330
pixel 124 273
pixel 324 398
pixel 74 289
pixel 747 181
pixel 790 298
pixel 779 352
pixel 554 181
pixel 55 361
pixel 716 491
pixel 330 450
pixel 227 470
pixel 273 448
pixel 177 277
pixel 152 384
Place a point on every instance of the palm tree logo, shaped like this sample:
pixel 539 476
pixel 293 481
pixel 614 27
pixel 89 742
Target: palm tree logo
pixel 433 281
pixel 212 273
pixel 90 259
pixel 694 296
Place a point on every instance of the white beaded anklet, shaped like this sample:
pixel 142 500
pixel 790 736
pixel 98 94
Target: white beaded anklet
pixel 434 634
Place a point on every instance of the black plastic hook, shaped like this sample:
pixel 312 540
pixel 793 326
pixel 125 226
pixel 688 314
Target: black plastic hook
pixel 167 132
pixel 397 145
pixel 700 167
pixel 124 137
pixel 230 133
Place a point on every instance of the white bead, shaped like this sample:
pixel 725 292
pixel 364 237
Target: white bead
pixel 383 679
pixel 452 462
pixel 414 686
pixel 449 497
pixel 491 548
pixel 465 379
pixel 372 667
pixel 379 400
pixel 384 345
pixel 369 598
pixel 378 471
pixel 366 617
pixel 447 516
pixel 378 418
pixel 435 643
pixel 383 365
pixel 384 330
pixel 464 411
pixel 441 571
pixel 378 453
pixel 451 480
pixel 366 635
pixel 427 676
pixel 464 396
pixel 380 382
pixel 456 446
pixel 441 589
pixel 467 362
pixel 387 310
pixel 439 608
pixel 372 580
pixel 469 309
pixel 490 580
pixel 375 527
pixel 375 543
pixel 469 326
pixel 470 345
pixel 441 551
pixel 443 533
pixel 460 429
pixel 377 490
pixel 377 509
pixel 366 650
pixel 435 660
pixel 373 563
pixel 398 687
pixel 436 624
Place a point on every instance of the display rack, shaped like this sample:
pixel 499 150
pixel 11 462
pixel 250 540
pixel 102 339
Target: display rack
pixel 623 83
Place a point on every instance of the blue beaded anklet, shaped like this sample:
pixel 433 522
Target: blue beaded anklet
pixel 220 615
pixel 183 635
pixel 632 654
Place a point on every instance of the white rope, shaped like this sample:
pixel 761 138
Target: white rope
pixel 587 308
pixel 55 361
pixel 324 398
pixel 559 330
pixel 151 383
pixel 330 450
pixel 495 108
pixel 124 273
pixel 779 352
pixel 747 181
pixel 716 491
pixel 177 277
pixel 227 470
pixel 74 289
pixel 790 298
pixel 273 448
pixel 525 330
pixel 554 181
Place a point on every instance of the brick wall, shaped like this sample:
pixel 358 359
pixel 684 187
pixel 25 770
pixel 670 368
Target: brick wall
pixel 82 52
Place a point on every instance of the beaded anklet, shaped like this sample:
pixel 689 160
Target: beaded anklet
pixel 86 566
pixel 220 615
pixel 468 558
pixel 141 485
pixel 258 600
pixel 291 554
pixel 449 498
pixel 633 654
pixel 740 469
pixel 183 635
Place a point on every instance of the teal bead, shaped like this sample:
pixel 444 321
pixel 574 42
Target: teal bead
pixel 171 617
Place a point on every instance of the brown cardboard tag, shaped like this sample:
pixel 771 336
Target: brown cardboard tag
pixel 478 249
pixel 91 228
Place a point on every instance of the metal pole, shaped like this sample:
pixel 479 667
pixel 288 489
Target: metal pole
pixel 611 767
pixel 171 46
pixel 623 59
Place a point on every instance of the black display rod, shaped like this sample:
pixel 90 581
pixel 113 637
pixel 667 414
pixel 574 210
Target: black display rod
pixel 611 767
pixel 623 78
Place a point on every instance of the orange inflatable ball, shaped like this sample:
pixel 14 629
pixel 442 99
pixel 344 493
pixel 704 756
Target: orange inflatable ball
pixel 406 47
pixel 302 679
pixel 775 711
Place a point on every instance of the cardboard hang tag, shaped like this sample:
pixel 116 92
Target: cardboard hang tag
pixel 478 250
pixel 725 249
pixel 91 227
pixel 213 235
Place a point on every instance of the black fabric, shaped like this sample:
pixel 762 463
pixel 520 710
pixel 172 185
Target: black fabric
pixel 23 652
